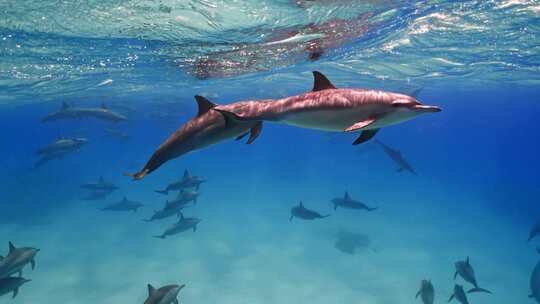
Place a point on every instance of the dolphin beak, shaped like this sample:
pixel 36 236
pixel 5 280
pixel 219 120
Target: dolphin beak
pixel 427 109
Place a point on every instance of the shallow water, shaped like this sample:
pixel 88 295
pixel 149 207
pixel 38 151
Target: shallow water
pixel 474 195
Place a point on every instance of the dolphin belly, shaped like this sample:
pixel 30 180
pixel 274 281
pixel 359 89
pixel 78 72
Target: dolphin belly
pixel 336 120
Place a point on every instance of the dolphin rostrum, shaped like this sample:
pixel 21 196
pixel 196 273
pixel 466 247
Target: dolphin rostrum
pixel 123 205
pixel 396 156
pixel 184 224
pixel 71 112
pixel 11 284
pixel 187 181
pixel 16 259
pixel 347 202
pixel 302 212
pixel 331 109
pixel 426 292
pixel 207 128
pixel 465 270
pixel 164 295
pixel 459 294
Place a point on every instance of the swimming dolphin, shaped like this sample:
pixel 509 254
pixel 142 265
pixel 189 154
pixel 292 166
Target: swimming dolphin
pixel 187 181
pixel 100 185
pixel 396 156
pixel 16 259
pixel 164 295
pixel 167 211
pixel 465 270
pixel 347 202
pixel 426 292
pixel 123 205
pixel 71 112
pixel 535 282
pixel 59 149
pixel 302 212
pixel 459 295
pixel 331 109
pixel 535 230
pixel 184 224
pixel 207 128
pixel 184 197
pixel 11 284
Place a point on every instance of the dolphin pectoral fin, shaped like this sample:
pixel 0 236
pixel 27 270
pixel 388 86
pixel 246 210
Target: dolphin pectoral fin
pixel 455 275
pixel 451 298
pixel 361 124
pixel 320 82
pixel 255 132
pixel 365 136
pixel 194 228
pixel 241 136
pixel 15 292
pixel 417 294
pixel 33 263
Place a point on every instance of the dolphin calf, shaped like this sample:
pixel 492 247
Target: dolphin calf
pixel 535 231
pixel 17 259
pixel 71 112
pixel 123 205
pixel 11 284
pixel 465 270
pixel 187 181
pixel 535 282
pixel 184 224
pixel 395 155
pixel 347 202
pixel 164 295
pixel 459 294
pixel 302 212
pixel 328 108
pixel 100 185
pixel 426 292
pixel 207 128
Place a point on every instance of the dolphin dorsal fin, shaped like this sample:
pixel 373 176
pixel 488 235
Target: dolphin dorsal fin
pixel 186 174
pixel 104 106
pixel 468 261
pixel 11 247
pixel 65 105
pixel 301 204
pixel 347 195
pixel 204 104
pixel 151 290
pixel 181 216
pixel 321 82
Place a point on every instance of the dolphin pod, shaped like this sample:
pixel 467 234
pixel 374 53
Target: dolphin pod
pixel 465 270
pixel 14 263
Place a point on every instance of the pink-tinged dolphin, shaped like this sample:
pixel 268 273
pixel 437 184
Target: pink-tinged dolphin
pixel 331 109
pixel 207 128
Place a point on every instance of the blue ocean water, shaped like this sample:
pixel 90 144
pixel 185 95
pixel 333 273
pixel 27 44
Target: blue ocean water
pixel 475 193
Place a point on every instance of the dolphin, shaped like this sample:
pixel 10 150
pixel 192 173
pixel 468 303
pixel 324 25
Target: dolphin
pixel 16 259
pixel 302 212
pixel 535 282
pixel 164 295
pixel 459 294
pixel 207 128
pixel 100 185
pixel 395 155
pixel 123 205
pixel 328 108
pixel 184 224
pixel 465 270
pixel 71 112
pixel 426 292
pixel 184 197
pixel 535 231
pixel 348 202
pixel 59 149
pixel 11 284
pixel 167 211
pixel 187 181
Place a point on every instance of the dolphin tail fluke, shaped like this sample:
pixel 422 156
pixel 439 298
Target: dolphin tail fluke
pixel 478 289
pixel 162 191
pixel 138 175
pixel 159 237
